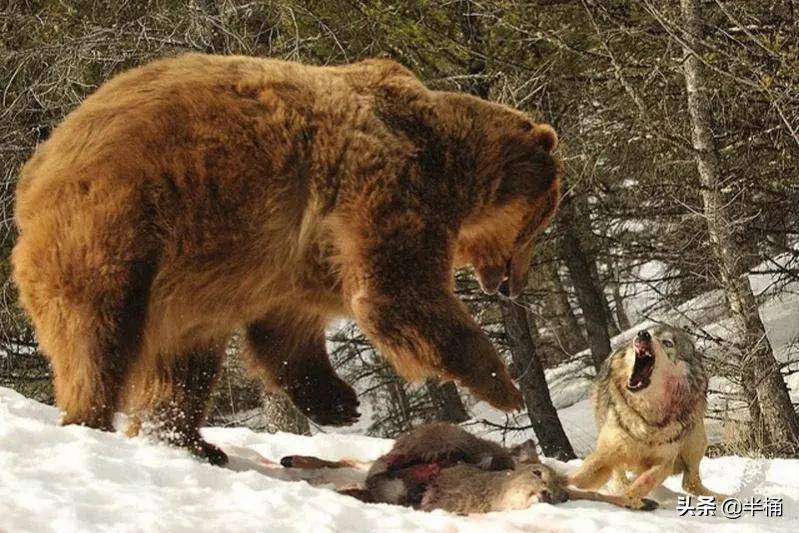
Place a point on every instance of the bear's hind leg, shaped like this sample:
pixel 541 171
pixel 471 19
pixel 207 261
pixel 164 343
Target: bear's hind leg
pixel 88 389
pixel 289 352
pixel 92 337
pixel 172 403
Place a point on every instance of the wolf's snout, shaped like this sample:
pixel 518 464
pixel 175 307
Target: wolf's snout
pixel 644 362
pixel 643 342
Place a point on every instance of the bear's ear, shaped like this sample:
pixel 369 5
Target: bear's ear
pixel 545 136
pixel 528 169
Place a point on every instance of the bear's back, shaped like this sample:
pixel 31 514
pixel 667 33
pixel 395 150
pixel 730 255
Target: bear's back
pixel 130 126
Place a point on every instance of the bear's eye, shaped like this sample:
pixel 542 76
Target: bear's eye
pixel 667 343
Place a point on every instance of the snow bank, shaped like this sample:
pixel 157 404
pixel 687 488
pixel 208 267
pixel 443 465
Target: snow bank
pixel 66 479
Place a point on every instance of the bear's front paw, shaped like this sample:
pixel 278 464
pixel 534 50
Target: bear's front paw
pixel 473 362
pixel 330 403
pixel 497 389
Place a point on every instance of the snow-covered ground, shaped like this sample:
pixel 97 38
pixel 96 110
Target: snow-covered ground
pixel 67 479
pixel 63 479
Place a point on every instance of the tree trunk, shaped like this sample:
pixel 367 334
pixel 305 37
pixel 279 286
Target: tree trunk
pixel 472 29
pixel 559 309
pixel 281 415
pixel 404 418
pixel 582 223
pixel 521 332
pixel 543 416
pixel 759 367
pixel 216 39
pixel 618 302
pixel 613 328
pixel 589 296
pixel 447 401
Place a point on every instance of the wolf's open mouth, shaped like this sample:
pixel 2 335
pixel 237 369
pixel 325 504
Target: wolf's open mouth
pixel 642 369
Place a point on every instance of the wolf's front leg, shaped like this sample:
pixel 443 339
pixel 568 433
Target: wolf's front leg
pixel 645 483
pixel 594 472
pixel 692 450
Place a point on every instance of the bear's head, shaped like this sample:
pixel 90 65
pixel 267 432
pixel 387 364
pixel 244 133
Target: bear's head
pixel 519 174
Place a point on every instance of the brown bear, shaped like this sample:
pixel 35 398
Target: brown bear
pixel 200 194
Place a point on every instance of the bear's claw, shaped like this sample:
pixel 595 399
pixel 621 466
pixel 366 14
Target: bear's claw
pixel 499 391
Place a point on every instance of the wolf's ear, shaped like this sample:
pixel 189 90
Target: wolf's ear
pixel 546 137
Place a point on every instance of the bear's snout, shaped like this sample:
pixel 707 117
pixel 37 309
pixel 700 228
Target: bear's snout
pixel 491 277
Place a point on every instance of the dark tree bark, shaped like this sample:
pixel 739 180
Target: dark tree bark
pixel 558 308
pixel 543 416
pixel 618 301
pixel 760 369
pixel 283 416
pixel 589 296
pixel 401 400
pixel 542 413
pixel 472 29
pixel 613 328
pixel 447 401
pixel 588 242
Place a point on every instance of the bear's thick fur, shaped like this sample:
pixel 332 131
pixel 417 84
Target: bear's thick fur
pixel 200 194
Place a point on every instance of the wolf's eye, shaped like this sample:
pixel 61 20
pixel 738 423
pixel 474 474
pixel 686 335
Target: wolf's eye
pixel 667 343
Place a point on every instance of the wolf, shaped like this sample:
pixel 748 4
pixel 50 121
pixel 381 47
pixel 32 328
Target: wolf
pixel 443 466
pixel 650 401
